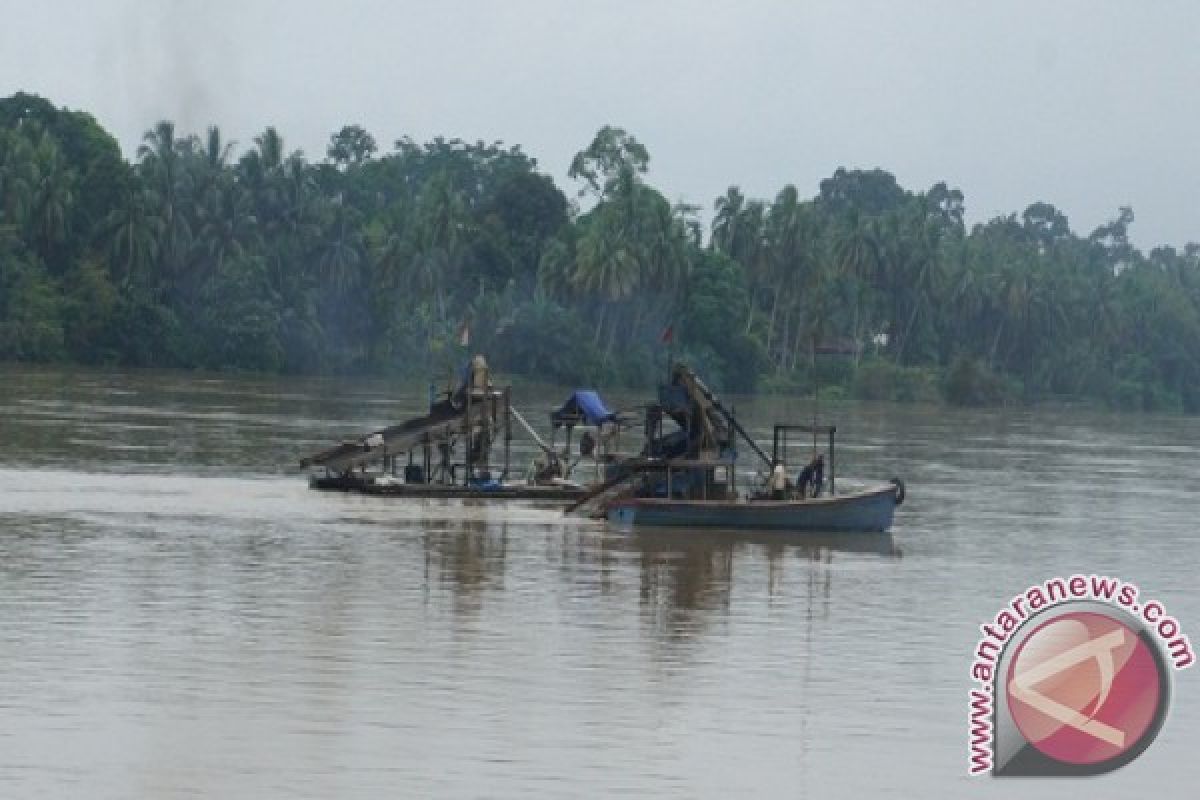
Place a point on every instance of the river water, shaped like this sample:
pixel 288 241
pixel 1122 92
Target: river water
pixel 180 616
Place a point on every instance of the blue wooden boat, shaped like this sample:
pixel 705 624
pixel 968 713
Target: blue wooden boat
pixel 688 477
pixel 864 510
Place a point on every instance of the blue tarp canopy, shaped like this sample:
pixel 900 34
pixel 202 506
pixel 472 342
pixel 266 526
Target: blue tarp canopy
pixel 583 407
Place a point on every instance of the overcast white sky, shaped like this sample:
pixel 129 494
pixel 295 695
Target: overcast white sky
pixel 1088 105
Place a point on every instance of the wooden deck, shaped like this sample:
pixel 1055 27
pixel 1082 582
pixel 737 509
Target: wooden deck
pixel 511 491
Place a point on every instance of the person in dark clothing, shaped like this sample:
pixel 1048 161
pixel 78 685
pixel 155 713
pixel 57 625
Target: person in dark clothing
pixel 812 475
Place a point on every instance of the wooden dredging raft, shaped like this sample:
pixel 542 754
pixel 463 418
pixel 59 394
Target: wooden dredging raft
pixel 449 451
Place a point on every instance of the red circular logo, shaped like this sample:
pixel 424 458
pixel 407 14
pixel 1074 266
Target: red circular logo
pixel 1084 688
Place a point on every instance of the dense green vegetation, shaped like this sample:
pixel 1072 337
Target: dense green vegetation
pixel 372 261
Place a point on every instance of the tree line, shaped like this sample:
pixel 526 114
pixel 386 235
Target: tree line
pixel 373 261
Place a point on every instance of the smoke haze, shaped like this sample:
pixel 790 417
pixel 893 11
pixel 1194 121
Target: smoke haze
pixel 1084 105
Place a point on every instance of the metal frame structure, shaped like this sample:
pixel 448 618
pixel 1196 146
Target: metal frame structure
pixel 780 444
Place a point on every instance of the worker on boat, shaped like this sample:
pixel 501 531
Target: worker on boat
pixel 778 482
pixel 480 377
pixel 812 475
pixel 445 464
pixel 546 470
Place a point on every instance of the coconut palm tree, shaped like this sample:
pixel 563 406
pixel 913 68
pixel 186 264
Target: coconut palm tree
pixel 753 255
pixel 269 146
pixel 342 252
pixel 555 269
pixel 18 176
pixel 856 262
pixel 790 261
pixel 216 149
pixel 53 197
pixel 133 232
pixel 163 175
pixel 226 225
pixel 727 228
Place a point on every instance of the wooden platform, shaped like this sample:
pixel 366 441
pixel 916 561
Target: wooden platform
pixel 511 491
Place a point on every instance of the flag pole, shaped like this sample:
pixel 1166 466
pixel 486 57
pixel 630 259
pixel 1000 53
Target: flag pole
pixel 816 393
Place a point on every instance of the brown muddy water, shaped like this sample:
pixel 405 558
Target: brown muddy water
pixel 181 617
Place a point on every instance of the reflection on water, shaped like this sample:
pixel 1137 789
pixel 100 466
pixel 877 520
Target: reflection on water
pixel 683 572
pixel 177 618
pixel 682 575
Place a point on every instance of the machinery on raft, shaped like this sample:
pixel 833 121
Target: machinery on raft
pixel 463 447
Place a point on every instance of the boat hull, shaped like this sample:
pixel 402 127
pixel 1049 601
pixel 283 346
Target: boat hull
pixel 867 510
